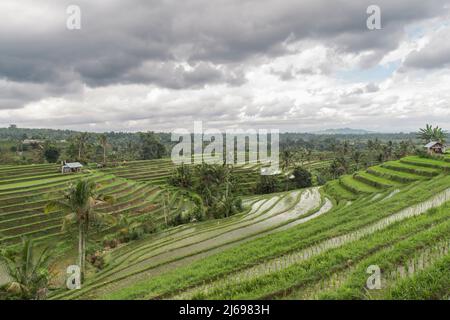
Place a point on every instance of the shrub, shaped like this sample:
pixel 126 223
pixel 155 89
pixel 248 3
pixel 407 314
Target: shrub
pixel 176 220
pixel 182 177
pixel 110 241
pixel 96 259
pixel 29 273
pixel 51 154
pixel 268 184
pixel 302 177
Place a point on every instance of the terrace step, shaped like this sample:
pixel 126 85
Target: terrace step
pixel 398 176
pixel 355 186
pixel 425 162
pixel 21 214
pixel 408 168
pixel 48 186
pixel 5 224
pixel 375 181
pixel 36 226
pixel 35 183
pixel 49 231
pixel 337 191
pixel 138 196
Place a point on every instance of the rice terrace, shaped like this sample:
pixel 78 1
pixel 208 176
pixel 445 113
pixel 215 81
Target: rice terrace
pixel 224 158
pixel 157 230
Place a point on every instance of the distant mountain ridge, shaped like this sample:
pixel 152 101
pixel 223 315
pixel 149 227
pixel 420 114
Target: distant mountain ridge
pixel 344 131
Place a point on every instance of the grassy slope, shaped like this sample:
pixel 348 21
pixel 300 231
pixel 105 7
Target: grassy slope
pixel 339 221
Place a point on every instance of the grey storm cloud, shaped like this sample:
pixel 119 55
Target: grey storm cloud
pixel 156 64
pixel 144 41
pixel 435 54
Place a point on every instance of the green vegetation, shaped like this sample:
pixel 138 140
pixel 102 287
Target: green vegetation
pixel 28 275
pixel 432 134
pixel 267 262
pixel 80 203
pixel 147 229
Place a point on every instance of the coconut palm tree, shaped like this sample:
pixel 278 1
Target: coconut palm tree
pixel 226 202
pixel 182 176
pixel 404 148
pixel 287 158
pixel 210 179
pixel 357 157
pixel 127 226
pixel 346 148
pixel 81 141
pixel 104 143
pixel 80 202
pixel 439 134
pixel 426 133
pixel 388 150
pixel 29 275
pixel 429 134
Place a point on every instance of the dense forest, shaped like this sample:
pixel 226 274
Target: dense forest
pixel 24 145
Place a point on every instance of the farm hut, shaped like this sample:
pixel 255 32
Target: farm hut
pixel 32 141
pixel 70 167
pixel 435 147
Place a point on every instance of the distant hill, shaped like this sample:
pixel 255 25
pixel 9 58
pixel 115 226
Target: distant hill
pixel 344 131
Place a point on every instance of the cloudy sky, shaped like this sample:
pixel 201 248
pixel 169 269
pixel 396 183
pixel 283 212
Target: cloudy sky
pixel 300 65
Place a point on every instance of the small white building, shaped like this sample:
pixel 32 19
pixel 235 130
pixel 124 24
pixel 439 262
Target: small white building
pixel 69 167
pixel 32 141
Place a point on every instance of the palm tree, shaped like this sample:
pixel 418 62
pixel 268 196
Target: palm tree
pixel 309 155
pixel 338 167
pixel 388 150
pixel 287 157
pixel 210 179
pixel 302 156
pixel 439 134
pixel 426 133
pixel 429 134
pixel 104 143
pixel 404 148
pixel 29 275
pixel 357 157
pixel 182 176
pixel 346 148
pixel 370 145
pixel 80 202
pixel 226 203
pixel 127 226
pixel 81 141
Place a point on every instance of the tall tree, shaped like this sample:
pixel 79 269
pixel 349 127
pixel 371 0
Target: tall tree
pixel 346 148
pixel 81 140
pixel 182 176
pixel 51 153
pixel 80 202
pixel 426 133
pixel 302 177
pixel 151 146
pixel 429 134
pixel 287 158
pixel 357 157
pixel 104 143
pixel 439 134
